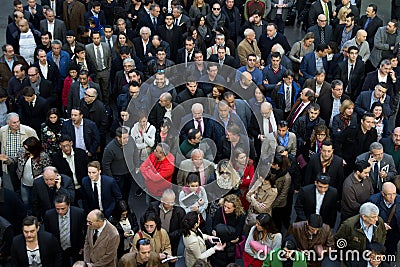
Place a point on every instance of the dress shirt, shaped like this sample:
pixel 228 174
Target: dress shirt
pixel 79 140
pixel 71 163
pixel 50 27
pixel 44 69
pixel 98 183
pixel 319 199
pixel 369 232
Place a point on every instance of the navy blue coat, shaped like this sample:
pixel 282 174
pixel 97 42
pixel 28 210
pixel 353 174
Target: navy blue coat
pixel 91 134
pixel 308 67
pixel 110 194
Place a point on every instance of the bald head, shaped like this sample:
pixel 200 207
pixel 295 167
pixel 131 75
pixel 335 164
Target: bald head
pixel 389 192
pixel 361 36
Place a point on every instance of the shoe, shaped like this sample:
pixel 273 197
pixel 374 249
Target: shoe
pixel 139 192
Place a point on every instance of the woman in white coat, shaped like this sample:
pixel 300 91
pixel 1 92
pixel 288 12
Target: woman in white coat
pixel 144 135
pixel 195 241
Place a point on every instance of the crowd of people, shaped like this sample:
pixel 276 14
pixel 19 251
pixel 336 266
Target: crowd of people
pixel 206 109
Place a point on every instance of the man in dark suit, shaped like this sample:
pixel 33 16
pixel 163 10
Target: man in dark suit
pixel 100 53
pixel 351 72
pixel 144 37
pixel 75 95
pixel 308 65
pixel 56 6
pixel 347 30
pixel 370 22
pixel 109 36
pixel 196 120
pixel 328 163
pixel 43 246
pixel 12 208
pixel 226 63
pixel 159 109
pixel 58 26
pixel 300 107
pixel 318 84
pixel 308 202
pixel 386 201
pixel 101 242
pixel 383 168
pixel 391 146
pixel 36 13
pixel 317 9
pixel 90 140
pixel 47 187
pixel 365 100
pixel 330 103
pixel 322 31
pixel 72 162
pixel 355 140
pixel 186 54
pixel 100 191
pixel 95 11
pixel 121 25
pixel 71 42
pixel 172 35
pixel 73 219
pixel 181 19
pixel 33 109
pixel 153 20
pixel 42 86
pixel 384 72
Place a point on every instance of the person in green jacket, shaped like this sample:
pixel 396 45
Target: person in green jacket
pixel 286 256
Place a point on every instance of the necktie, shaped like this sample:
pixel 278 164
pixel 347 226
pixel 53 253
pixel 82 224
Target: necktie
pixel 376 172
pixel 188 58
pixel 96 196
pixel 199 126
pixel 176 22
pixel 31 105
pixel 322 35
pixel 109 43
pixel 348 80
pixel 326 12
pixel 287 99
pixel 95 236
pixel 64 233
pixel 296 114
pixel 99 62
pixel 367 22
pixel 155 23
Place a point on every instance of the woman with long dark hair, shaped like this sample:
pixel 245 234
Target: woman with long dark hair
pixel 51 131
pixel 263 237
pixel 279 168
pixel 126 223
pixel 31 161
pixel 380 120
pixel 167 134
pixel 195 241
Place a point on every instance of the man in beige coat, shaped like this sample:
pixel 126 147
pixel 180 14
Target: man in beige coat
pixel 17 133
pixel 101 243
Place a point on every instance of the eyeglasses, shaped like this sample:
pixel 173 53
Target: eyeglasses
pixel 143 242
pixel 31 75
pixel 226 173
pixel 389 194
pixel 90 222
pixel 216 8
pixel 168 203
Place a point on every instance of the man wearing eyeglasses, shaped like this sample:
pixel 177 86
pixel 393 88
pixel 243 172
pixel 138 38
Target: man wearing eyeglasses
pixel 144 256
pixel 383 168
pixel 78 89
pixel 388 202
pixel 101 242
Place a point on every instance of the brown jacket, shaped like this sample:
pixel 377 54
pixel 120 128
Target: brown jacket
pixel 282 184
pixel 104 252
pixel 324 236
pixel 131 260
pixel 75 18
pixel 264 193
pixel 5 72
pixel 244 49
